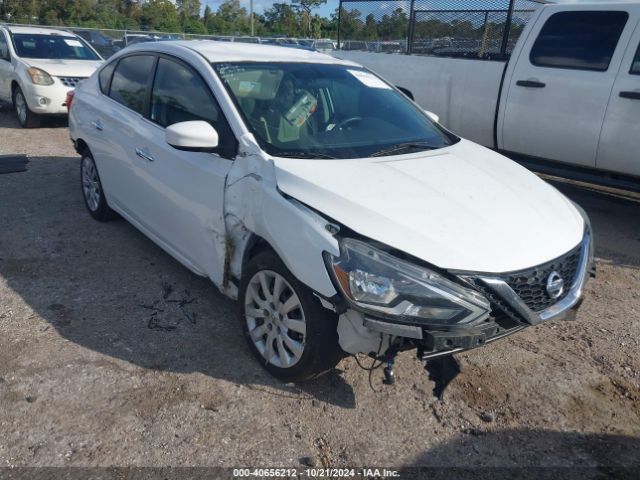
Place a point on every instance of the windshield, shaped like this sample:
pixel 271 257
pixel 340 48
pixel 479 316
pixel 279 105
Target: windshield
pixel 327 111
pixel 52 47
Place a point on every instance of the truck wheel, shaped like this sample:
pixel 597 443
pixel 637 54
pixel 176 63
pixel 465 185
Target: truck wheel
pixel 92 191
pixel 26 117
pixel 291 334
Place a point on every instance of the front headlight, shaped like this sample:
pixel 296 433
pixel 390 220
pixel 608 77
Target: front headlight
pixel 39 77
pixel 374 281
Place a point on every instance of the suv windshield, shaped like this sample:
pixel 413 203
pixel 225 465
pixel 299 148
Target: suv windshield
pixel 310 110
pixel 51 46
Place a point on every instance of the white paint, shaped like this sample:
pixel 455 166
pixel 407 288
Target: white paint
pixel 464 207
pixel 618 147
pixel 192 134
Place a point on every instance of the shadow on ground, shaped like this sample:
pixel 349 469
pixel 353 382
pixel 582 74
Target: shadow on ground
pixel 534 454
pixel 106 287
pixel 10 120
pixel 615 217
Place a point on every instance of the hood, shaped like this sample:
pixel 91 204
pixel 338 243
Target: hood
pixel 64 68
pixel 464 207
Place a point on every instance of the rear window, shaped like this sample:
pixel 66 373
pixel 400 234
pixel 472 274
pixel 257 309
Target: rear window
pixel 129 82
pixel 583 40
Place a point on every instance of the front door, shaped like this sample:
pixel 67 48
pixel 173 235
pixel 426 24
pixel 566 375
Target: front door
pixel 183 190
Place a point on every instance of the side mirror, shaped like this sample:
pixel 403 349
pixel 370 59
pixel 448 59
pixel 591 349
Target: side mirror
pixel 406 91
pixel 432 116
pixel 4 52
pixel 193 136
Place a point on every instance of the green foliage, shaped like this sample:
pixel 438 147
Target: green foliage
pixel 174 16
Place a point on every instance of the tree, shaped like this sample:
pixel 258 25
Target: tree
pixel 306 6
pixel 282 19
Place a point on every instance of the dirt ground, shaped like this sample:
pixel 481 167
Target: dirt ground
pixel 91 376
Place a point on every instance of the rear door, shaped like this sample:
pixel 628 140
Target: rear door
pixel 620 140
pixel 559 88
pixel 115 120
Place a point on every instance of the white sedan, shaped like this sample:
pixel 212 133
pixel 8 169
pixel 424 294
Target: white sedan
pixel 339 214
pixel 38 67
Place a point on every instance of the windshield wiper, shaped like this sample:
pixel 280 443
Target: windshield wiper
pixel 403 146
pixel 303 154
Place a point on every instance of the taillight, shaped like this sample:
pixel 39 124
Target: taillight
pixel 69 100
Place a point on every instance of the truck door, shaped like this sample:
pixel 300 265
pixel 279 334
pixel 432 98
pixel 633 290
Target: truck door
pixel 559 88
pixel 618 148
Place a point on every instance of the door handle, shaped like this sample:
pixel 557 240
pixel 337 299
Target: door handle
pixel 142 154
pixel 530 84
pixel 97 124
pixel 631 95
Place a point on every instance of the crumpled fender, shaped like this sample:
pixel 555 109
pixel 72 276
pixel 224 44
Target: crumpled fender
pixel 254 205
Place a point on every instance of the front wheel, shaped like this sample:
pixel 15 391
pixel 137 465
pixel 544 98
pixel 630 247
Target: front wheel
pixel 26 117
pixel 292 335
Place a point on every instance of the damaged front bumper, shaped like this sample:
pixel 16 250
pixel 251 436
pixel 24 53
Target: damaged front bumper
pixel 510 312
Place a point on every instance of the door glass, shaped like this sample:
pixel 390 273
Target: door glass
pixel 104 77
pixel 4 49
pixel 635 67
pixel 582 40
pixel 129 83
pixel 180 95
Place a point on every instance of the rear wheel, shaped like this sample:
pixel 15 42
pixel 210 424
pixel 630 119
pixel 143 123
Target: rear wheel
pixel 26 117
pixel 287 329
pixel 92 191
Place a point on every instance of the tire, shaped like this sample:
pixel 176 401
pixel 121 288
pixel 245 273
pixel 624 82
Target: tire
pixel 306 334
pixel 26 117
pixel 92 191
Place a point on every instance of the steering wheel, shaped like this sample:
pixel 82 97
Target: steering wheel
pixel 347 121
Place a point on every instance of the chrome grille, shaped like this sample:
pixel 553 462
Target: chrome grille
pixel 71 82
pixel 531 284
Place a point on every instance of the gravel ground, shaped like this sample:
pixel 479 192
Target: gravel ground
pixel 113 354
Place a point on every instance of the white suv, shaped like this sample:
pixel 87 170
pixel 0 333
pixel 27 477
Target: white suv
pixel 338 213
pixel 38 66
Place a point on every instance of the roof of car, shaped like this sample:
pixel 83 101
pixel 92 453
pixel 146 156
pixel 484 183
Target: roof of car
pixel 39 31
pixel 215 51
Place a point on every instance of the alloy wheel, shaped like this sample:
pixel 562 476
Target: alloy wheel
pixel 90 183
pixel 275 319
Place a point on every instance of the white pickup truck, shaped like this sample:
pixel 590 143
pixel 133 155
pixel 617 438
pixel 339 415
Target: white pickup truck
pixel 569 96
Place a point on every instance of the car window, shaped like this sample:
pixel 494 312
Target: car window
pixel 180 95
pixel 129 82
pixel 583 40
pixel 635 66
pixel 104 77
pixel 4 49
pixel 56 47
pixel 327 110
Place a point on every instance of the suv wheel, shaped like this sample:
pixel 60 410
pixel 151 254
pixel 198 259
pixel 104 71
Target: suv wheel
pixel 26 117
pixel 287 328
pixel 92 191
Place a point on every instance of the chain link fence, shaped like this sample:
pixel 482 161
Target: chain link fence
pixel 109 41
pixel 481 29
